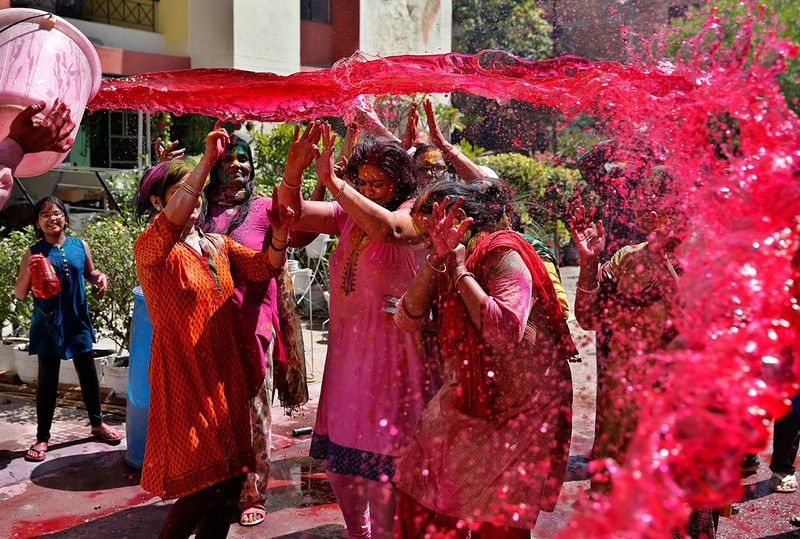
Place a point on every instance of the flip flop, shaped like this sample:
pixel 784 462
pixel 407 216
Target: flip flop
pixel 784 483
pixel 107 434
pixel 39 454
pixel 257 510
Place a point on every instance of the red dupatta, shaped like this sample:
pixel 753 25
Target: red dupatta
pixel 458 334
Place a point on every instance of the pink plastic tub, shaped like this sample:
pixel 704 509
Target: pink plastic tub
pixel 43 58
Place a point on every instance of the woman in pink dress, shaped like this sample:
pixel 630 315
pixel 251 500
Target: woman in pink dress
pixel 490 449
pixel 376 380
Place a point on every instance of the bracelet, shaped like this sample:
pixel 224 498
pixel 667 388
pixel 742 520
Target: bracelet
pixel 289 186
pixel 281 249
pixel 434 268
pixel 282 241
pixel 592 291
pixel 458 279
pixel 339 194
pixel 191 190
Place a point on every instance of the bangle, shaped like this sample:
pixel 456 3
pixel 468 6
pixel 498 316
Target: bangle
pixel 592 291
pixel 277 249
pixel 458 279
pixel 339 194
pixel 191 190
pixel 289 186
pixel 282 241
pixel 434 268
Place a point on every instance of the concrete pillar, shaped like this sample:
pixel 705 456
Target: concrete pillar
pixel 266 35
pixel 393 27
pixel 210 33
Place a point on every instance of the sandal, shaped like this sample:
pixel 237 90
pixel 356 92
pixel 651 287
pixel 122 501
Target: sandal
pixel 37 452
pixel 256 514
pixel 784 483
pixel 108 434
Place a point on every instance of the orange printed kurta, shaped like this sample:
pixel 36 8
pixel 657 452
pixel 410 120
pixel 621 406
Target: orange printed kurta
pixel 198 431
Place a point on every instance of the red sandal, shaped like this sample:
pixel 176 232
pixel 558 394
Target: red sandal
pixel 37 452
pixel 108 434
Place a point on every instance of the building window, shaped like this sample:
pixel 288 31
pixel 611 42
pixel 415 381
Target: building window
pixel 316 10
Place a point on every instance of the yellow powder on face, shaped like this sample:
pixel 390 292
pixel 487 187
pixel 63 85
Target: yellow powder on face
pixel 433 158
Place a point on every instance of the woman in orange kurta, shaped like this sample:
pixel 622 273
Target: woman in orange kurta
pixel 198 436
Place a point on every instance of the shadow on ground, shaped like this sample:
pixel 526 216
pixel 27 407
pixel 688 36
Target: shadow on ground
pixel 109 471
pixel 143 522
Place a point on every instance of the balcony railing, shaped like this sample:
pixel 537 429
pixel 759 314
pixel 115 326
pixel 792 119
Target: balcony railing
pixel 138 14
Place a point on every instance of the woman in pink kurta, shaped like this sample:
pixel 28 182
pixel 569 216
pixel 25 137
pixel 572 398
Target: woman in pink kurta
pixel 490 449
pixel 376 381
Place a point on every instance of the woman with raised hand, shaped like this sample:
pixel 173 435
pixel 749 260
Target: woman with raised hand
pixel 376 380
pixel 490 449
pixel 198 436
pixel 267 325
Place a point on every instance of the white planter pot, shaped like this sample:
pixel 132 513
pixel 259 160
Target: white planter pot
pixel 28 367
pixel 8 361
pixel 116 378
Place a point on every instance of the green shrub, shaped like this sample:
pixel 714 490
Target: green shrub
pixel 542 191
pixel 111 242
pixel 14 313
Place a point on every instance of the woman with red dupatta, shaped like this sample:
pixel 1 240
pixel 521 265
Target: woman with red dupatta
pixel 491 448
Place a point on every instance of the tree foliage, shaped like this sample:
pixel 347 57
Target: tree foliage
pixel 542 191
pixel 518 27
pixel 780 17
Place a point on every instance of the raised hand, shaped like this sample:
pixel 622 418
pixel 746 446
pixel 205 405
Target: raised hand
pixel 303 149
pixel 411 133
pixel 43 133
pixel 217 141
pixel 437 138
pixel 590 237
pixel 441 226
pixel 326 170
pixel 280 217
pixel 168 152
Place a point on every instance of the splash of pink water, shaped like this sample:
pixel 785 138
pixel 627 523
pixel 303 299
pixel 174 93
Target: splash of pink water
pixel 739 320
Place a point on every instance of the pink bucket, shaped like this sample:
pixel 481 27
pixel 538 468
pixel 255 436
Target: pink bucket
pixel 43 58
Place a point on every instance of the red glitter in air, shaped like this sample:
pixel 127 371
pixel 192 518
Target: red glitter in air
pixel 738 322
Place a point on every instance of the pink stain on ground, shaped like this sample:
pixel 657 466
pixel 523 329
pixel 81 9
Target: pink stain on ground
pixel 739 320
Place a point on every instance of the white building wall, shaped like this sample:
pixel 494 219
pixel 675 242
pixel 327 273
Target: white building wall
pixel 392 27
pixel 210 42
pixel 267 35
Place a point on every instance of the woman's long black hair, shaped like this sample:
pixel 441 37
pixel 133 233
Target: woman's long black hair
pixel 215 185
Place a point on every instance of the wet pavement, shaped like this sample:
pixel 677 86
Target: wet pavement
pixel 85 490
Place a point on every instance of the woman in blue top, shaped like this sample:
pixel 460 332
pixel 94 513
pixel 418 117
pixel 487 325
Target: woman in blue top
pixel 60 325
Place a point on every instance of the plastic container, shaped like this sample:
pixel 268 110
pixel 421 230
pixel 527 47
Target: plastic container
pixel 138 405
pixel 301 280
pixel 41 59
pixel 44 281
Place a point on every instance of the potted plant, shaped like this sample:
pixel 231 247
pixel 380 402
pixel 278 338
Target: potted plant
pixel 111 240
pixel 15 314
